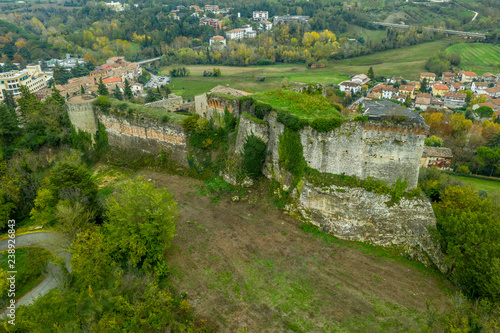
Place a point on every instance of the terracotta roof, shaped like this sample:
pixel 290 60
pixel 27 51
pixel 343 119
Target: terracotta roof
pixel 457 85
pixel 440 87
pixel 455 94
pixel 373 95
pixel 427 74
pixel 414 83
pixel 426 95
pixel 390 88
pixel 481 84
pixel 349 84
pixel 468 73
pixel 449 74
pixel 217 38
pixel 379 88
pixel 492 90
pixel 111 80
pixel 422 101
pixel 488 74
pixel 437 152
pixel 407 87
pixel 488 104
pixel 234 30
pixel 496 101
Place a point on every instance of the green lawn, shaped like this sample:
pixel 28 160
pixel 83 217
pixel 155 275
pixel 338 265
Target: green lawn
pixel 368 35
pixel 478 57
pixel 492 187
pixel 29 263
pixel 243 78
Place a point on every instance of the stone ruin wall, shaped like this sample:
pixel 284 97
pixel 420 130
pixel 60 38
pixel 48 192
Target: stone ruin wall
pixel 144 134
pixel 173 103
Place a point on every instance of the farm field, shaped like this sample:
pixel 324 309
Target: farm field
pixel 407 62
pixel 478 57
pixel 367 34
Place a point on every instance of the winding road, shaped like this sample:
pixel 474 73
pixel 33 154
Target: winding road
pixel 58 246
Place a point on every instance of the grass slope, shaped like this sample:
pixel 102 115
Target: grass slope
pixel 492 187
pixel 30 264
pixel 477 57
pixel 247 265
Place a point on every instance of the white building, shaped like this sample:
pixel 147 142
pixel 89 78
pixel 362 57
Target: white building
pixel 116 6
pixel 31 77
pixel 245 31
pixel 217 40
pixel 353 87
pixel 266 25
pixel 479 87
pixel 259 16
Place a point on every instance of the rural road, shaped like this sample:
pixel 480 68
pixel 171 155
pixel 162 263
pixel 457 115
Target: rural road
pixel 57 245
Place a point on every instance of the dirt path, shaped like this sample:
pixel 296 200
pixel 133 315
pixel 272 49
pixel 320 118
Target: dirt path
pixel 246 264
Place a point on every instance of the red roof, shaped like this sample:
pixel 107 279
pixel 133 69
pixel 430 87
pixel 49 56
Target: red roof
pixel 111 80
pixel 217 38
pixel 468 73
pixel 440 87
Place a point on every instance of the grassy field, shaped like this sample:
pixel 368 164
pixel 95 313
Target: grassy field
pixel 368 35
pixel 478 57
pixel 407 62
pixel 482 184
pixel 29 263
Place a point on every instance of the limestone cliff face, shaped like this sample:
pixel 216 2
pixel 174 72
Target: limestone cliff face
pixel 358 215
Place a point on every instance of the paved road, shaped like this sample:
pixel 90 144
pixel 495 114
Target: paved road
pixel 57 245
pixel 147 60
pixel 446 31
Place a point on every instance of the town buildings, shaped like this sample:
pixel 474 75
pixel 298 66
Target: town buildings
pixel 259 16
pixel 31 77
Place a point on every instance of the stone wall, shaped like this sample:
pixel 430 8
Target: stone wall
pixel 358 215
pixel 173 103
pixel 213 107
pixel 146 135
pixel 81 115
pixel 374 149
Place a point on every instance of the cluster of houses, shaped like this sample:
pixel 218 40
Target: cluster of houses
pixel 68 62
pixel 113 73
pixel 448 91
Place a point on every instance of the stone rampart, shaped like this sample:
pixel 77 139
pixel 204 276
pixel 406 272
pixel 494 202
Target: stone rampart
pixel 81 114
pixel 146 135
pixel 172 103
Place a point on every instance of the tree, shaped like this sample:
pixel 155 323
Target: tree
pixel 254 153
pixel 470 236
pixel 82 90
pixel 484 112
pixel 9 99
pixel 423 86
pixel 408 101
pixel 370 73
pixel 73 217
pixel 117 93
pixel 127 90
pixel 488 157
pixel 141 222
pixel 434 141
pixel 91 260
pixel 153 95
pixel 101 88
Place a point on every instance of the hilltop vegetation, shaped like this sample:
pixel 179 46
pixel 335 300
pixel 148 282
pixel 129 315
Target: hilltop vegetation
pixel 477 57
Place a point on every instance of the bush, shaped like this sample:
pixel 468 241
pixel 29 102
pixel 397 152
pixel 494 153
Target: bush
pixel 291 121
pixel 179 72
pixel 434 141
pixel 291 153
pixel 484 112
pixel 463 169
pixel 326 124
pixel 102 103
pixel 254 154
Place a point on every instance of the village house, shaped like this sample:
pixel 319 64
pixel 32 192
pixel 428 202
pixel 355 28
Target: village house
pixel 388 92
pixel 408 89
pixel 457 86
pixel 352 87
pixel 448 77
pixel 478 87
pixel 137 88
pixel 489 104
pixel 429 76
pixel 493 92
pixel 467 76
pixel 489 77
pixel 454 99
pixel 214 23
pixel 259 16
pixel 436 104
pixel 362 79
pixel 439 157
pixel 290 18
pixel 266 25
pixel 111 81
pixel 400 97
pixel 235 34
pixel 422 103
pixel 373 95
pixel 439 89
pixel 99 72
pixel 211 8
pixel 217 41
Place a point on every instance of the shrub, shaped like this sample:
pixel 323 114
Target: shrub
pixel 179 72
pixel 291 153
pixel 254 154
pixel 463 169
pixel 291 121
pixel 484 112
pixel 434 141
pixel 326 124
pixel 102 103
